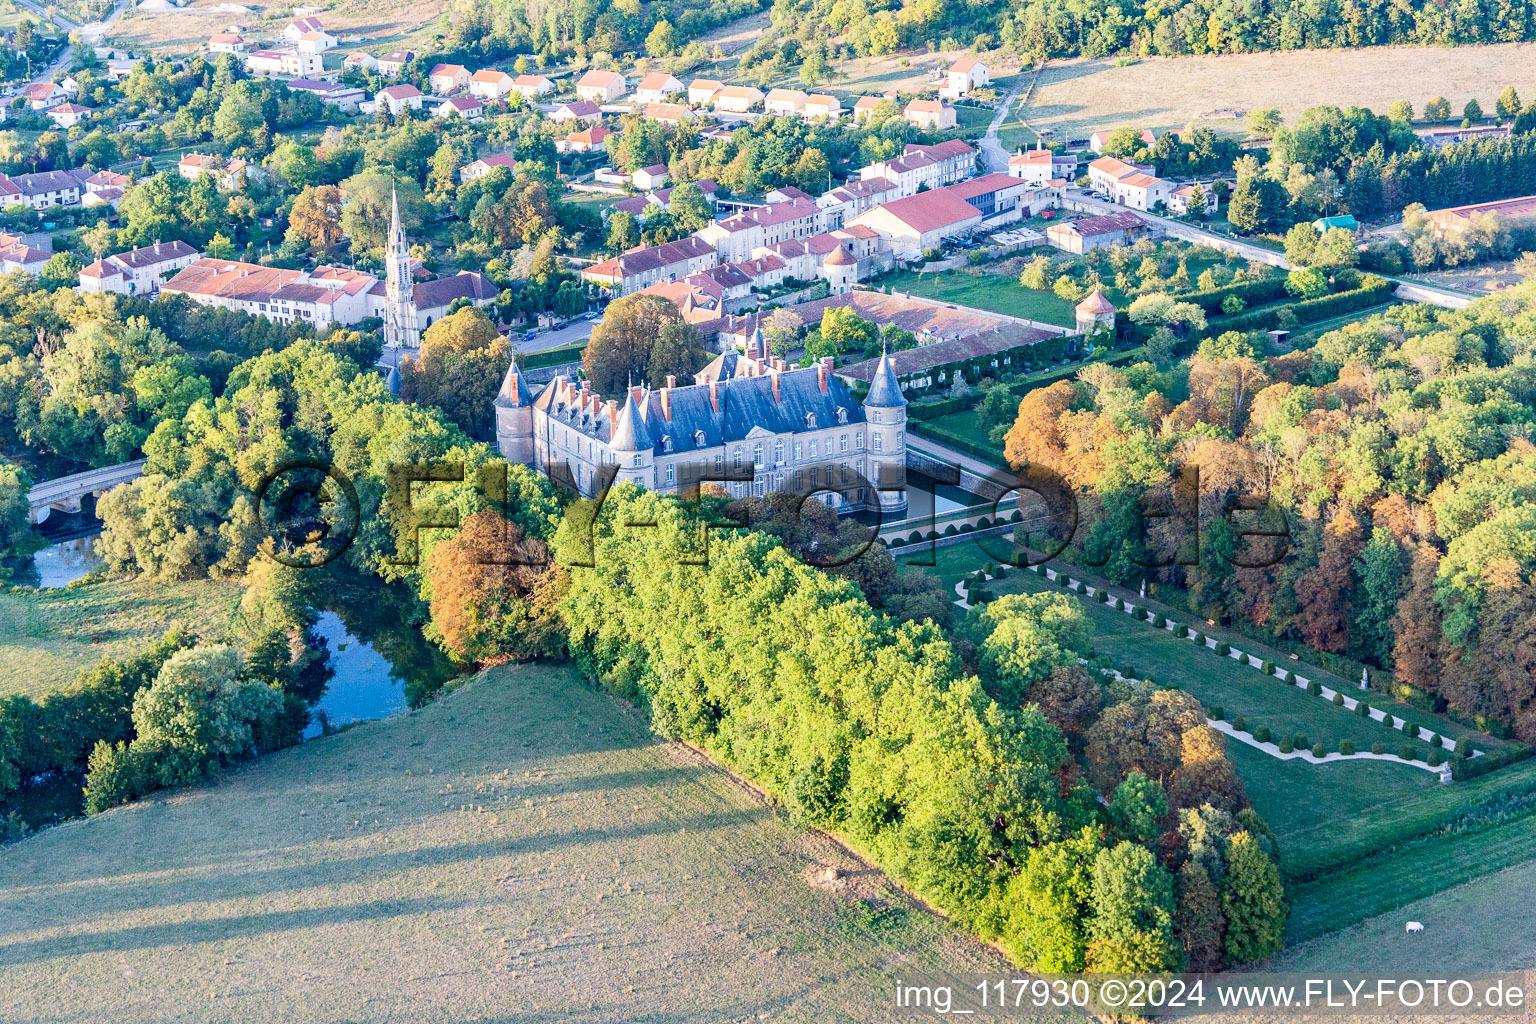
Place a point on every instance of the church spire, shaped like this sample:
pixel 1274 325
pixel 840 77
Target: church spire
pixel 399 294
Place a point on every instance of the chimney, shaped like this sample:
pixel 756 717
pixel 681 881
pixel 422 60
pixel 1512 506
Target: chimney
pixel 638 394
pixel 821 376
pixel 714 394
pixel 671 380
pixel 666 402
pixel 612 408
pixel 773 379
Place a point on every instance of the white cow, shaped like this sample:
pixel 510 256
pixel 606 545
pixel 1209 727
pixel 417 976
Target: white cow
pixel 1414 926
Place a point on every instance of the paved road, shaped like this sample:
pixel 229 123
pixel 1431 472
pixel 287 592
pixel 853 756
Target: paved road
pixel 993 156
pixel 83 483
pixel 577 330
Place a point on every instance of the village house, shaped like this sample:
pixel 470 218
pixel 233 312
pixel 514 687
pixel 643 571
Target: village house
pixel 1129 184
pixel 399 98
pixel 667 113
pixel 601 86
pixel 532 86
pixel 641 206
pixel 1098 140
pixel 393 63
pixel 1040 166
pixel 865 105
pixel 346 98
pixel 226 42
pixel 447 78
pixel 963 77
pixel 284 64
pixel 921 222
pixel 930 114
pixel 42 95
pixel 19 254
pixel 485 165
pixel 656 87
pixel 640 268
pixel 701 91
pixel 784 102
pixel 1088 233
pixel 138 271
pixel 654 176
pixel 360 61
pixel 821 105
pixel 1180 198
pixel 466 107
pixel 737 99
pixel 67 115
pixel 588 140
pixel 922 166
pixel 842 258
pixel 737 236
pixel 310 31
pixel 999 198
pixel 842 204
pixel 580 110
pixel 491 84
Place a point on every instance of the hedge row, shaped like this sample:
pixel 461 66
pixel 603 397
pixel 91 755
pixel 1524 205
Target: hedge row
pixel 1253 293
pixel 1374 292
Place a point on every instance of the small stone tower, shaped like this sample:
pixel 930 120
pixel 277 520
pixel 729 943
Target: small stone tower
pixel 514 417
pixel 632 445
pixel 1095 313
pixel 885 414
pixel 842 271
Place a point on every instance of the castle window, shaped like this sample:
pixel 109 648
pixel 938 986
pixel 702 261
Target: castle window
pixel 736 459
pixel 669 472
pixel 898 438
pixel 842 442
pixel 778 452
pixel 637 460
pixel 757 455
pixel 813 449
pixel 799 451
pixel 858 440
pixel 877 439
pixel 874 415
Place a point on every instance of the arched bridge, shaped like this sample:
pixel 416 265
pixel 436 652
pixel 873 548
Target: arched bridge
pixel 65 492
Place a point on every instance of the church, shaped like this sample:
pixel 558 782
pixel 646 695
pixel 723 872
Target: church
pixel 748 417
pixel 409 306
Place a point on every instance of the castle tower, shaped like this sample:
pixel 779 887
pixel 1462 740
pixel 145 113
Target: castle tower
pixel 399 292
pixel 885 414
pixel 632 445
pixel 513 407
pixel 1095 313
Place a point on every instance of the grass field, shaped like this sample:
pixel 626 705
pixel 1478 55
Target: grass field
pixel 993 292
pixel 378 25
pixel 1080 96
pixel 47 637
pixel 522 849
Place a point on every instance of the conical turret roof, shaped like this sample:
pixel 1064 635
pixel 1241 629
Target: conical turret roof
pixel 514 389
pixel 885 389
pixel 630 433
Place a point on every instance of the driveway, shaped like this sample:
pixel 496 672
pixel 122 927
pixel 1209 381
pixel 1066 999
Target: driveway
pixel 577 331
pixel 993 156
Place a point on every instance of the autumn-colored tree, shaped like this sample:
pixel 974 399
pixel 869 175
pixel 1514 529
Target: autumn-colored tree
pixel 1144 734
pixel 315 218
pixel 1069 697
pixel 1036 436
pixel 493 593
pixel 1324 591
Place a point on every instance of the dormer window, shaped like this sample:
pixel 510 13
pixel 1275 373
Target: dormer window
pixel 698 438
pixel 810 421
pixel 842 415
pixel 666 442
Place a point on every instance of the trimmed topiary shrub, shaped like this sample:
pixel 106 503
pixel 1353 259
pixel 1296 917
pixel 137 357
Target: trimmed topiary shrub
pixel 932 535
pixel 1116 603
pixel 1346 746
pixel 1434 759
pixel 950 531
pixel 1101 596
pixel 1017 517
pixel 1388 721
pixel 1261 733
pixel 1238 725
pixel 1199 638
pixel 1223 648
pixel 1362 709
pixel 983 523
pixel 1286 746
pixel 1463 747
pixel 1437 741
pixel 1129 671
pixel 1378 747
pixel 897 542
pixel 1407 752
pixel 1267 668
pixel 1000 571
pixel 1302 740
pixel 1315 688
pixel 1217 712
pixel 1159 622
pixel 966 527
pixel 1338 700
pixel 1318 750
pixel 914 537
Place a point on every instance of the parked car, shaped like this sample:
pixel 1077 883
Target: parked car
pixel 591 314
pixel 558 325
pixel 530 336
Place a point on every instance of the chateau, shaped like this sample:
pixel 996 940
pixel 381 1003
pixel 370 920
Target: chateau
pixel 792 430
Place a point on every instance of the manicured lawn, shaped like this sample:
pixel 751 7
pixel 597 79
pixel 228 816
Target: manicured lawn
pixel 47 637
pixel 993 292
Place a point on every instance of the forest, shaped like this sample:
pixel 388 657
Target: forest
pixel 1393 460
